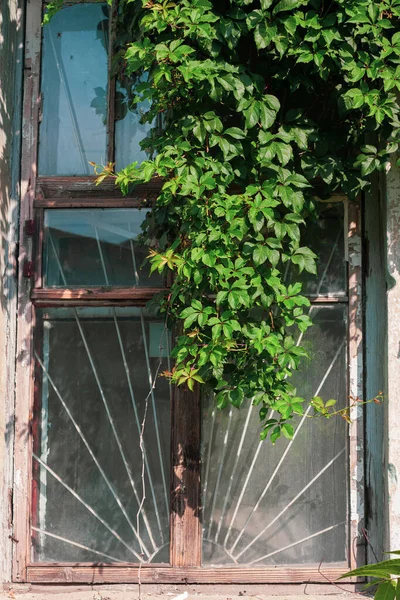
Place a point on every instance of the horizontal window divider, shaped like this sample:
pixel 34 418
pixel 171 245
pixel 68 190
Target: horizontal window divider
pixel 93 296
pixel 328 299
pixel 90 202
pixel 105 573
pixel 79 187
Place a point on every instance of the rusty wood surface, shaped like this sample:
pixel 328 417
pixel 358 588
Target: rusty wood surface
pixel 24 364
pixel 186 534
pixel 355 378
pixel 53 573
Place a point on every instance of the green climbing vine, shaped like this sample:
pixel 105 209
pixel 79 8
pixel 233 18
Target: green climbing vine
pixel 265 105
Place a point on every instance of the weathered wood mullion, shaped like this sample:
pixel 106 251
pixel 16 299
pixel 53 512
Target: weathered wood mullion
pixel 85 187
pixel 92 296
pixel 57 203
pixel 100 573
pixel 185 517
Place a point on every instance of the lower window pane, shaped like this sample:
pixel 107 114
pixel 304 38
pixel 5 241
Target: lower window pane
pixel 98 380
pixel 287 503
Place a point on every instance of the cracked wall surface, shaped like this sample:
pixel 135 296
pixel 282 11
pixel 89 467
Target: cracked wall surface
pixel 10 98
pixel 393 353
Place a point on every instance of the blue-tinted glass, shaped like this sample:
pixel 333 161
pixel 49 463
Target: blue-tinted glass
pixel 74 90
pixel 129 132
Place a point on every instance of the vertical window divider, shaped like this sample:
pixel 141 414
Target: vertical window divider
pixel 111 85
pixel 38 248
pixel 185 514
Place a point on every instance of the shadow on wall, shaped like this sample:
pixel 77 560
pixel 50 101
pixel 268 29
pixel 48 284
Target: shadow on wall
pixel 10 133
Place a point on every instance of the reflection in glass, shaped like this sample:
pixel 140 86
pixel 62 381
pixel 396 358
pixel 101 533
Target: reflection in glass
pixel 129 132
pixel 325 237
pixel 96 247
pixel 95 374
pixel 74 89
pixel 281 504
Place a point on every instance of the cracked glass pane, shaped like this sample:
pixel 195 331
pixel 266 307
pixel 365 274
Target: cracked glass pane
pixel 101 488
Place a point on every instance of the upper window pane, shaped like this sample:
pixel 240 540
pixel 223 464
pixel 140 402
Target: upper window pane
pixel 129 132
pixel 96 247
pixel 325 237
pixel 74 90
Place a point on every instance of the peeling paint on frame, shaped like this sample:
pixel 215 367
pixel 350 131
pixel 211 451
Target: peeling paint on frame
pixel 355 377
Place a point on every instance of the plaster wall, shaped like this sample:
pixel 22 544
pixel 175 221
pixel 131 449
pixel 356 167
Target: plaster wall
pixel 10 99
pixel 392 466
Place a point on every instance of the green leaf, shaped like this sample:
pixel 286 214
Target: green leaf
pixel 252 114
pixel 260 255
pixel 385 591
pixel 288 430
pixel 373 11
pixel 286 5
pixel 236 133
pixel 265 4
pixel 267 116
pixel 236 397
pixel 272 102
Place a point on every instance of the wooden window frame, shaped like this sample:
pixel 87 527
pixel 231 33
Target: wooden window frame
pixel 40 193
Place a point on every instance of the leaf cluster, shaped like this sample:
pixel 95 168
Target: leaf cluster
pixel 265 104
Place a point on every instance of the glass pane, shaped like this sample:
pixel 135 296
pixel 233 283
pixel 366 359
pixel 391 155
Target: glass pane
pixel 96 247
pixel 74 91
pixel 129 132
pixel 95 374
pixel 281 504
pixel 326 238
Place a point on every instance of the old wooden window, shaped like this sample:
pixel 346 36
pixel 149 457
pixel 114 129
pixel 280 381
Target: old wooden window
pixel 219 506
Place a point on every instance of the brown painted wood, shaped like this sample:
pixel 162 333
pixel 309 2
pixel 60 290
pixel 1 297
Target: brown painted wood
pixel 185 518
pixel 95 202
pixel 93 296
pixel 85 187
pixel 53 573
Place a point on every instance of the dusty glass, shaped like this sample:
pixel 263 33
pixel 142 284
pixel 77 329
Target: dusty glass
pixel 74 91
pixel 98 385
